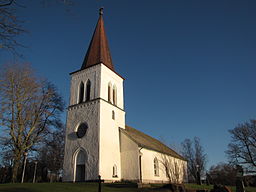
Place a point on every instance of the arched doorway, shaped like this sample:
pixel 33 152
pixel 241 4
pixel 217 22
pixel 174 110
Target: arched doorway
pixel 80 166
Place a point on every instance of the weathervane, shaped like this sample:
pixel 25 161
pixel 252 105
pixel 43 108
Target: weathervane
pixel 101 11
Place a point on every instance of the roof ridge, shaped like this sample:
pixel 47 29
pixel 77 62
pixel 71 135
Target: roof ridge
pixel 163 148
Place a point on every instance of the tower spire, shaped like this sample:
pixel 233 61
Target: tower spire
pixel 98 51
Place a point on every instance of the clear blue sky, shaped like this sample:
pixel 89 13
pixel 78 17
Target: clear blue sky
pixel 189 65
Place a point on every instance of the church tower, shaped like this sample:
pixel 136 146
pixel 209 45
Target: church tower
pixel 95 114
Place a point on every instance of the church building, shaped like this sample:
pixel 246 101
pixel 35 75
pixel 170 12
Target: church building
pixel 98 141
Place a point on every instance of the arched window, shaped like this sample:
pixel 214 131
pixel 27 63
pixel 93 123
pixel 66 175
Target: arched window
pixel 109 92
pixel 114 171
pixel 113 115
pixel 114 95
pixel 88 90
pixel 80 166
pixel 81 93
pixel 156 167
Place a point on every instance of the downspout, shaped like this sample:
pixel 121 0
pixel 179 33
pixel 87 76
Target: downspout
pixel 140 171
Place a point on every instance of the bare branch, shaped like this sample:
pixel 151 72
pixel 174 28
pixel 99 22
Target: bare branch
pixel 6 3
pixel 10 28
pixel 242 148
pixel 194 153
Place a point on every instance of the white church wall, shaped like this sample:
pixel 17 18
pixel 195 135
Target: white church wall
pixel 89 113
pixel 79 113
pixel 93 74
pixel 129 158
pixel 147 166
pixel 109 127
pixel 109 141
pixel 177 168
pixel 107 76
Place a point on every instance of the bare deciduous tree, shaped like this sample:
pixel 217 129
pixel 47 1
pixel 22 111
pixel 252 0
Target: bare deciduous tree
pixel 51 154
pixel 175 169
pixel 10 26
pixel 242 149
pixel 223 173
pixel 29 110
pixel 194 153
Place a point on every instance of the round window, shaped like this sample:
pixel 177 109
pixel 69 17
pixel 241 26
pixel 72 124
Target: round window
pixel 81 131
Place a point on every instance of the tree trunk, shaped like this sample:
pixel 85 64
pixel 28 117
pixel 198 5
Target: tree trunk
pixel 16 165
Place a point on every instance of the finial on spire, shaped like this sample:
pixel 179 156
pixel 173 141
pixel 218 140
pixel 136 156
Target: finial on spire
pixel 101 11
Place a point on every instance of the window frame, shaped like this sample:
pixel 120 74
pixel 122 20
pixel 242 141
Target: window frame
pixel 81 93
pixel 113 115
pixel 88 90
pixel 156 167
pixel 114 169
pixel 114 92
pixel 85 131
pixel 110 92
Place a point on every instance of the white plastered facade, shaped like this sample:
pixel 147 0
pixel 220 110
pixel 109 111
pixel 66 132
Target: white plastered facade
pixel 101 142
pixel 138 164
pixel 109 128
pixel 177 167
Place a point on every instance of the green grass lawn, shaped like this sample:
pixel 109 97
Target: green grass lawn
pixel 66 187
pixel 209 187
pixel 91 187
pixel 75 187
pixel 62 187
pixel 195 186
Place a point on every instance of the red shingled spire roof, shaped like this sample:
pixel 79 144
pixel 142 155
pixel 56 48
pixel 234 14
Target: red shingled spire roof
pixel 98 51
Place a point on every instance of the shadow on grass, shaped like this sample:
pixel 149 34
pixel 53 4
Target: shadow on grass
pixel 121 185
pixel 17 189
pixel 161 188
